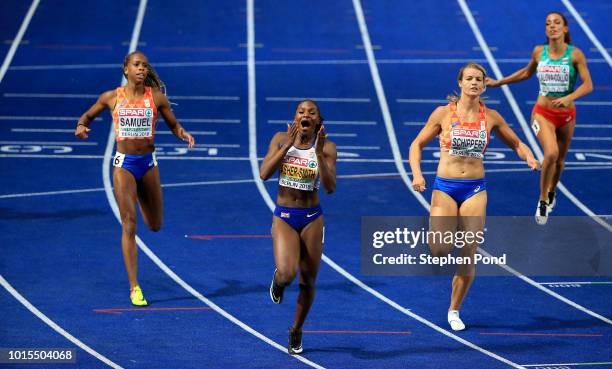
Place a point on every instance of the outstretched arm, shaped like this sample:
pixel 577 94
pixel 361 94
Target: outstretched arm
pixel 163 107
pixel 103 102
pixel 431 129
pixel 521 74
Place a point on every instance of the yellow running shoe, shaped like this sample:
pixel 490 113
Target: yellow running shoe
pixel 137 297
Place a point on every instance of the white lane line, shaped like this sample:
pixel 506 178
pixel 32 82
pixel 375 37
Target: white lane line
pixel 19 117
pixel 562 365
pixel 92 96
pixel 582 125
pixel 17 40
pixel 42 130
pixel 58 130
pixel 283 62
pixel 519 115
pixel 48 143
pixel 231 146
pixel 587 30
pixel 436 101
pixel 244 158
pixel 322 99
pixel 54 325
pixel 332 122
pixel 193 133
pixel 342 134
pixel 237 181
pixel 538 152
pixel 357 147
pixel 587 138
pixel 208 120
pixel 592 282
pixel 100 189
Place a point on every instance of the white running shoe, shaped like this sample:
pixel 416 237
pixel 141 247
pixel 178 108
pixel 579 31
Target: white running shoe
pixel 541 215
pixel 455 322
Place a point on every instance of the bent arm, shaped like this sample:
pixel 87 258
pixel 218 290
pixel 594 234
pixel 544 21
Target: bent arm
pixel 163 107
pixel 586 87
pixel 276 152
pixel 327 166
pixel 431 129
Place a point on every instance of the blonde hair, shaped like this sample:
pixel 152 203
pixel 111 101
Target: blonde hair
pixel 454 96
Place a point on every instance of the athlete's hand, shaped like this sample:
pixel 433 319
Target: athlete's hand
pixel 185 136
pixel 562 102
pixel 490 82
pixel 533 163
pixel 292 132
pixel 82 131
pixel 418 184
pixel 321 136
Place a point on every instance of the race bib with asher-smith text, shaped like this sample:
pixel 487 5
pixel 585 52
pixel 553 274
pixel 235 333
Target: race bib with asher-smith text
pixel 299 170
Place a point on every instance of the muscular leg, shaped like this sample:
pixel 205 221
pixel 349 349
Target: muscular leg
pixel 286 243
pixel 125 192
pixel 150 199
pixel 472 213
pixel 548 140
pixel 443 217
pixel 564 138
pixel 310 258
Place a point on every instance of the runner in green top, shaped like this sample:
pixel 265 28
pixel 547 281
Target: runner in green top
pixel 554 115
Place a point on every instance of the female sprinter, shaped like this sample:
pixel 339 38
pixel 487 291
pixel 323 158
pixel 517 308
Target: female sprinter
pixel 459 197
pixel 134 108
pixel 554 114
pixel 304 158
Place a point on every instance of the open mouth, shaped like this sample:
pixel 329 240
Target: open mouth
pixel 305 123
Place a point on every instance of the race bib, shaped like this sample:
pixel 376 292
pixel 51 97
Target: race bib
pixel 135 122
pixel 535 126
pixel 118 160
pixel 554 78
pixel 468 142
pixel 299 173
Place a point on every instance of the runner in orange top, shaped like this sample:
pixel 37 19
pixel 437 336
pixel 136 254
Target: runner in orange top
pixel 459 196
pixel 134 110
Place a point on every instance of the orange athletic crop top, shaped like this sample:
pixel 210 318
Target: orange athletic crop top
pixel 134 120
pixel 467 139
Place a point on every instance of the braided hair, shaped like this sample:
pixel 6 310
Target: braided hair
pixel 152 79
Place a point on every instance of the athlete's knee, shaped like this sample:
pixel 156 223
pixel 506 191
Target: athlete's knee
pixel 285 274
pixel 307 288
pixel 551 155
pixel 128 224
